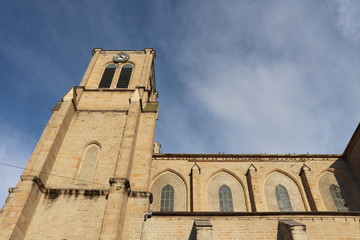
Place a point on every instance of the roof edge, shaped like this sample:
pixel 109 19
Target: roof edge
pixel 220 155
pixel 227 214
pixel 353 140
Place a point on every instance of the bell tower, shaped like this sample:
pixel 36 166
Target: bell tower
pixel 88 176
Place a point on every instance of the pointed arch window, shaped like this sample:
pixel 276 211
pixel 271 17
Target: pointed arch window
pixel 225 199
pixel 167 199
pixel 107 76
pixel 125 75
pixel 88 164
pixel 283 199
pixel 338 198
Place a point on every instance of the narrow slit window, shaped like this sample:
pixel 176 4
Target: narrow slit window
pixel 125 75
pixel 283 199
pixel 225 199
pixel 107 76
pixel 338 198
pixel 167 199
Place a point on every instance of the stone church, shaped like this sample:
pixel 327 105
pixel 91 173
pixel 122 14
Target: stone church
pixel 96 173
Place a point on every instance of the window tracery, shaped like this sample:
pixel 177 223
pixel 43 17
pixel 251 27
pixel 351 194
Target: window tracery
pixel 225 199
pixel 283 199
pixel 167 199
pixel 338 198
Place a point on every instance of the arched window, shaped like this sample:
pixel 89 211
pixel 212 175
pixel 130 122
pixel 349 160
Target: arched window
pixel 107 76
pixel 167 199
pixel 338 198
pixel 88 163
pixel 283 199
pixel 225 199
pixel 124 77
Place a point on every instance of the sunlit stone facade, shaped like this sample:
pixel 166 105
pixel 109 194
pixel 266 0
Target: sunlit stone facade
pixel 96 173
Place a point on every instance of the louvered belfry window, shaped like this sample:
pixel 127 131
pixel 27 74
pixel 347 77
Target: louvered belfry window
pixel 124 77
pixel 338 198
pixel 283 199
pixel 107 76
pixel 225 199
pixel 167 199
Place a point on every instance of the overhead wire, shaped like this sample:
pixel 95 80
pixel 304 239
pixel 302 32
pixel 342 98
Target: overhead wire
pixel 51 174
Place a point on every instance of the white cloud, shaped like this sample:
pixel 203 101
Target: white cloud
pixel 349 18
pixel 254 104
pixel 269 78
pixel 247 94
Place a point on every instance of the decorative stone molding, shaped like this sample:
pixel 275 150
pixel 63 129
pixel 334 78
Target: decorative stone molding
pixel 304 175
pixel 119 183
pixel 40 184
pixel 136 96
pixel 195 188
pixel 53 194
pixel 248 157
pixel 57 107
pixel 157 147
pixel 203 223
pixel 12 190
pixel 196 168
pixel 28 177
pixel 34 179
pixel 203 229
pixel 142 194
pixel 305 168
pixel 151 107
pixel 292 230
pixel 253 187
pixel 251 168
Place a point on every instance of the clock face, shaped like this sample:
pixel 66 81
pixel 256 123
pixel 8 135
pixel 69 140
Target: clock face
pixel 121 57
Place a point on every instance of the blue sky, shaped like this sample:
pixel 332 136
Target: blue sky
pixel 233 76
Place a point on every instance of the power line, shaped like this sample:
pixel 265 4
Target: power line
pixel 51 174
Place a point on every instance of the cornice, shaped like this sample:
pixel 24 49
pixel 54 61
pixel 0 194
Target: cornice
pixel 247 157
pixel 320 214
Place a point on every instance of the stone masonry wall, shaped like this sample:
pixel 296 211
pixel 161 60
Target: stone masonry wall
pixel 266 228
pixel 104 128
pixel 78 215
